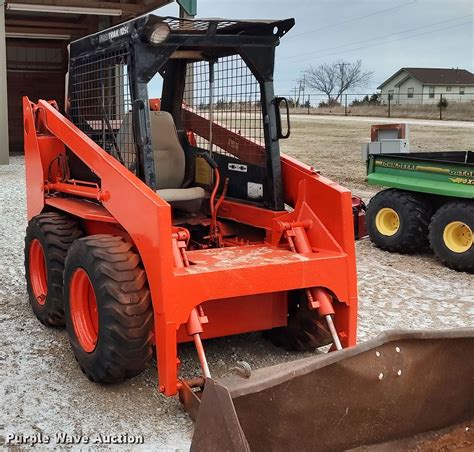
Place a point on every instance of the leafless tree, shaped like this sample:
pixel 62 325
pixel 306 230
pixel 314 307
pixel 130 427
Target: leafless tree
pixel 334 79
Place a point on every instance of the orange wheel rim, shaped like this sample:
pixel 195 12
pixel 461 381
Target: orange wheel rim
pixel 37 270
pixel 83 306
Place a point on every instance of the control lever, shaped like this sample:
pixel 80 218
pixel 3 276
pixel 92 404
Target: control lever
pixel 214 207
pixel 209 160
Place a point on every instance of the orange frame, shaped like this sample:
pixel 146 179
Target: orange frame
pixel 261 275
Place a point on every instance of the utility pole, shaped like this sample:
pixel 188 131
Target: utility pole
pixel 342 74
pixel 187 9
pixel 303 88
pixel 300 91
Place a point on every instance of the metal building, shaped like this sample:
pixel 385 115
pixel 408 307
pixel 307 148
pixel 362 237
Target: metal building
pixel 34 35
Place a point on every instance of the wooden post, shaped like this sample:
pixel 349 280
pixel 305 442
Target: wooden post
pixel 187 9
pixel 309 104
pixel 4 147
pixel 345 105
pixel 389 104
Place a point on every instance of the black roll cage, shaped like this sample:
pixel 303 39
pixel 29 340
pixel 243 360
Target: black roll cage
pixel 254 41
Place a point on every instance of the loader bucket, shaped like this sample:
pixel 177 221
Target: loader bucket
pixel 391 388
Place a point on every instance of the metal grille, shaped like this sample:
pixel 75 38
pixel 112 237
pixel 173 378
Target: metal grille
pixel 196 25
pixel 232 109
pixel 101 104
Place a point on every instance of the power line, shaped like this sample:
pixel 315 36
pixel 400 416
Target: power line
pixel 379 43
pixel 349 20
pixel 378 37
pixel 399 39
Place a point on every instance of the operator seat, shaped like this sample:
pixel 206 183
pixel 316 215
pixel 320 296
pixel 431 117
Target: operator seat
pixel 170 165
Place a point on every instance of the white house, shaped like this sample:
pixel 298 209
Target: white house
pixel 428 86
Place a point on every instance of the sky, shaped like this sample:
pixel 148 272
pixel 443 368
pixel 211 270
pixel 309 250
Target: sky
pixel 385 34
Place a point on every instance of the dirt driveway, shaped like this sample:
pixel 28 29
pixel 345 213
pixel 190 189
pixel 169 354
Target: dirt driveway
pixel 44 391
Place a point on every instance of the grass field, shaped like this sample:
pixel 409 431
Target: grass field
pixel 334 147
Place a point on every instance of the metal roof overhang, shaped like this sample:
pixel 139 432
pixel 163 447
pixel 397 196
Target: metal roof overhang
pixel 69 19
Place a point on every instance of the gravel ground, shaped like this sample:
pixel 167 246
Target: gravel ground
pixel 44 391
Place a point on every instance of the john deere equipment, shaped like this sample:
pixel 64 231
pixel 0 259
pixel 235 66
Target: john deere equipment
pixel 156 222
pixel 430 200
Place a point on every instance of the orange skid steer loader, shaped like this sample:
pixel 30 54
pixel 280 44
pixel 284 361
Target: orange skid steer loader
pixel 156 223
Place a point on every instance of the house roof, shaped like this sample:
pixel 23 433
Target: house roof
pixel 436 76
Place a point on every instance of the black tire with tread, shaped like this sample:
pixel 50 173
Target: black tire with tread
pixel 56 232
pixel 452 211
pixel 124 344
pixel 414 213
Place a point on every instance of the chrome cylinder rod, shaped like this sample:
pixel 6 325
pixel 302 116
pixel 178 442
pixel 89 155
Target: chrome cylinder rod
pixel 333 331
pixel 202 356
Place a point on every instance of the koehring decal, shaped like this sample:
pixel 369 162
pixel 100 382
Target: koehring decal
pixel 113 34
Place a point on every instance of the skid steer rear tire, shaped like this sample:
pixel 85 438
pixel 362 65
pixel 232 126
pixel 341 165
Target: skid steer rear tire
pixel 47 241
pixel 108 308
pixel 452 234
pixel 305 331
pixel 398 221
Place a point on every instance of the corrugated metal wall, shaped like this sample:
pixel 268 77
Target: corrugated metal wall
pixel 35 68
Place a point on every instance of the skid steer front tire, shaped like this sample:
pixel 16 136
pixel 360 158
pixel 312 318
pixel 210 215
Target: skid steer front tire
pixel 398 221
pixel 108 308
pixel 47 241
pixel 452 235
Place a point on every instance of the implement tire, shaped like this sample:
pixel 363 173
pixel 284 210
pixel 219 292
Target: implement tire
pixel 48 239
pixel 109 315
pixel 452 235
pixel 398 221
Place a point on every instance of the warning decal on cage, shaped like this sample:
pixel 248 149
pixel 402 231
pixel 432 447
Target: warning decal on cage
pixel 254 191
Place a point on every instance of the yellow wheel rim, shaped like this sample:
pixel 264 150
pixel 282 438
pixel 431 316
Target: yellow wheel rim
pixel 387 221
pixel 457 237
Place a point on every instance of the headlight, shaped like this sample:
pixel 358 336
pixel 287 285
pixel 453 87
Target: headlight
pixel 158 33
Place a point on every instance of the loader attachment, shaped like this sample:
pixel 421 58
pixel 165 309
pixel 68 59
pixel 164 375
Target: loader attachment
pixel 396 386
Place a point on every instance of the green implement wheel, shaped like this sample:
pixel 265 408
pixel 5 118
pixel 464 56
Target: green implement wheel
pixel 398 221
pixel 452 235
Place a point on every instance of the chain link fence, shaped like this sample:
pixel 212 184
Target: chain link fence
pixel 448 106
